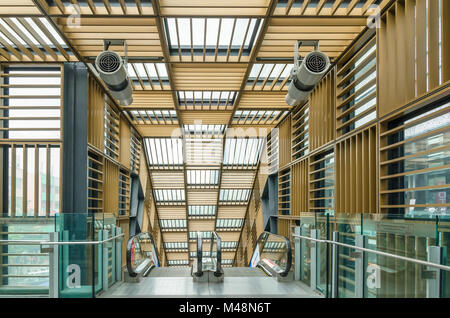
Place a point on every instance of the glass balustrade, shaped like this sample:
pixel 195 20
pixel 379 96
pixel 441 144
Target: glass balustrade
pixel 368 274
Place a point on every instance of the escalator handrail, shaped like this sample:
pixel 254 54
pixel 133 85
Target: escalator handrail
pixel 199 254
pixel 131 272
pixel 218 240
pixel 288 250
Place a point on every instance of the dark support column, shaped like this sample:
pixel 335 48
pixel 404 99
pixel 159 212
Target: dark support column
pixel 74 174
pixel 75 104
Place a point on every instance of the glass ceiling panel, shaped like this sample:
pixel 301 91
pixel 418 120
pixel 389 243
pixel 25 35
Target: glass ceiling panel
pixel 202 130
pixel 202 177
pixel 173 224
pixel 234 195
pixel 186 36
pixel 148 72
pixel 169 195
pixel 242 152
pixel 202 98
pixel 164 151
pixel 202 210
pixel 269 74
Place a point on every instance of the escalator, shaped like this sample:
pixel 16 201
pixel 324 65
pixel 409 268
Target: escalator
pixel 207 264
pixel 268 273
pixel 272 257
pixel 142 256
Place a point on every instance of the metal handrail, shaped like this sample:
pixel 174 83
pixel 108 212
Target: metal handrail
pixel 214 237
pixel 37 242
pixel 218 240
pixel 404 258
pixel 264 236
pixel 199 254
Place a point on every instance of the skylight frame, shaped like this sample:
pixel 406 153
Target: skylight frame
pixel 229 224
pixel 224 36
pixel 204 131
pixel 206 100
pixel 173 225
pixel 202 211
pixel 258 117
pixel 234 196
pixel 269 76
pixel 148 76
pixel 32 38
pixel 164 153
pixel 181 246
pixel 169 196
pixel 202 178
pixel 150 116
pixel 242 153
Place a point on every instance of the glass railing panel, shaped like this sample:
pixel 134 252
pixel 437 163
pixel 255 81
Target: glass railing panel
pixel 444 241
pixel 76 262
pixel 24 268
pixel 348 226
pixel 323 254
pixel 387 277
pixel 109 223
pixel 307 223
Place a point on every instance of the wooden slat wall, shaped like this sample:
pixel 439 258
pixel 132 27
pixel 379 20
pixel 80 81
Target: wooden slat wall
pixel 112 132
pixel 321 108
pixel 95 177
pixel 300 131
pixel 322 181
pixel 356 92
pixel 124 192
pixel 284 142
pixel 300 187
pixel 96 114
pixel 284 227
pixel 125 143
pixel 408 40
pixel 111 190
pixel 356 173
pixel 284 188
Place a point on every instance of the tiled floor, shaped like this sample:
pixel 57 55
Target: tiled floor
pixel 157 286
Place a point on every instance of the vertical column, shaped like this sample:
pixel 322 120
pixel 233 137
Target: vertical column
pixel 335 266
pixel 113 255
pixel 118 259
pixel 360 266
pixel 313 266
pixel 105 261
pixel 53 267
pixel 434 275
pixel 298 253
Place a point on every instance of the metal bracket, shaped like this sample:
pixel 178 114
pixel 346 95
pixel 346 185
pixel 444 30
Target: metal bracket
pixel 108 43
pixel 298 44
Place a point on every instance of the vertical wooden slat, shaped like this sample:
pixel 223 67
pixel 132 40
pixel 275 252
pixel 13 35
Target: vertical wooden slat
pixel 445 31
pixel 421 46
pixel 410 76
pixel 433 44
pixel 400 55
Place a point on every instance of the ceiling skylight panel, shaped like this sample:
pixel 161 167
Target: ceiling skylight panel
pixel 225 32
pixel 184 32
pixel 198 33
pixel 212 30
pixel 240 32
